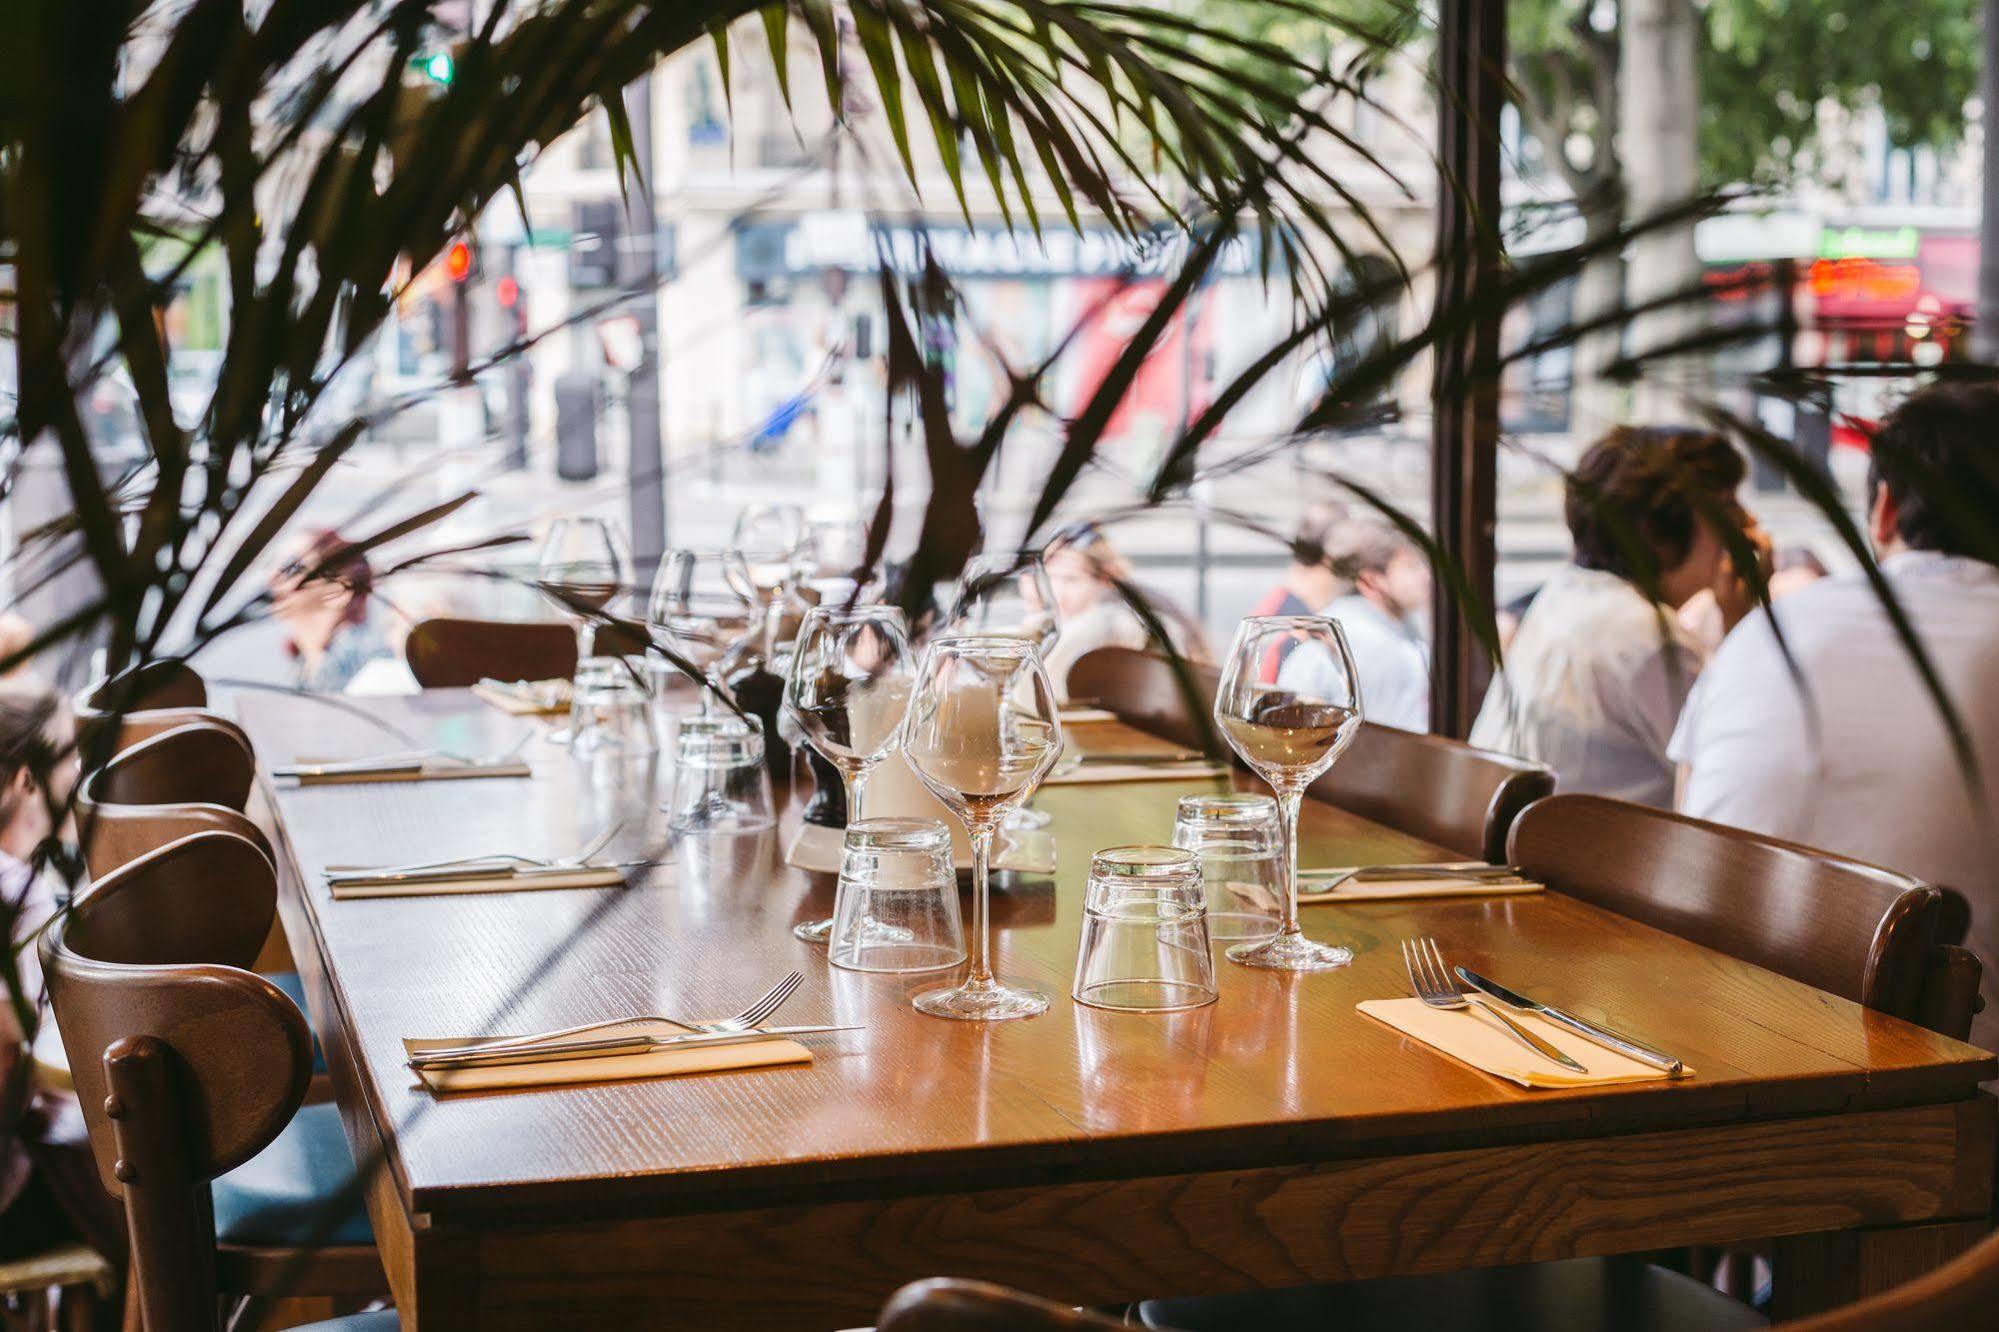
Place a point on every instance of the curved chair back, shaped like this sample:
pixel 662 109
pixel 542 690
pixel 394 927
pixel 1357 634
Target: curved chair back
pixel 945 1304
pixel 448 653
pixel 1441 790
pixel 1855 930
pixel 115 835
pixel 166 683
pixel 1960 1294
pixel 208 761
pixel 185 1067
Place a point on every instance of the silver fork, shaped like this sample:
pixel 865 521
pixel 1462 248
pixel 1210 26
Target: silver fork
pixel 575 860
pixel 1431 980
pixel 744 1022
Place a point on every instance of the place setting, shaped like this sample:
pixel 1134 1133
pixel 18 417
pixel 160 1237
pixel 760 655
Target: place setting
pixel 415 765
pixel 499 872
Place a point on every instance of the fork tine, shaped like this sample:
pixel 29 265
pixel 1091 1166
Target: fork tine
pixel 1409 966
pixel 768 1004
pixel 1440 974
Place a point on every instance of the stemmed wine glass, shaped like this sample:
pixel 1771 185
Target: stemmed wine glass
pixel 1289 737
pixel 697 610
pixel 1006 596
pixel 769 553
pixel 847 691
pixel 582 566
pixel 981 732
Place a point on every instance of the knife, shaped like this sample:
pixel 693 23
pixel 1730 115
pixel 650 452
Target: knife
pixel 1603 1036
pixel 476 1056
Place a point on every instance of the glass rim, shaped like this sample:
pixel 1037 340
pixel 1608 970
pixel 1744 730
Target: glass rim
pixel 898 832
pixel 999 644
pixel 1210 807
pixel 1288 621
pixel 1142 860
pixel 870 610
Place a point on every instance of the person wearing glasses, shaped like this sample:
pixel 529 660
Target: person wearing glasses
pixel 1600 666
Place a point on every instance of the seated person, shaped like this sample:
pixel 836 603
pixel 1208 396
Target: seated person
pixel 335 641
pixel 1391 582
pixel 1599 667
pixel 1310 584
pixel 1084 571
pixel 1853 754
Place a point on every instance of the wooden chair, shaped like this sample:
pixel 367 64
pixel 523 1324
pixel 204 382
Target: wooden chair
pixel 208 761
pixel 1961 1294
pixel 191 1072
pixel 943 1304
pixel 451 654
pixel 166 683
pixel 114 835
pixel 1441 790
pixel 1852 929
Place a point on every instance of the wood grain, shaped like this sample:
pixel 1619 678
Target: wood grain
pixel 1281 1075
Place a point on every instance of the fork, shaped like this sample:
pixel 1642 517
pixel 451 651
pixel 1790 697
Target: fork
pixel 575 860
pixel 1431 980
pixel 416 758
pixel 744 1022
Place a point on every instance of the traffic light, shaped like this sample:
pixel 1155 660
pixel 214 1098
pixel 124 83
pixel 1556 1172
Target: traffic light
pixel 458 261
pixel 437 66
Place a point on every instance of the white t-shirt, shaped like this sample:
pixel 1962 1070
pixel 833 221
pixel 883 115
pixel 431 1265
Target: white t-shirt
pixel 1393 671
pixel 1592 685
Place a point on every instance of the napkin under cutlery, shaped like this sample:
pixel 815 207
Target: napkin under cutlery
pixel 659 1063
pixel 525 698
pixel 1471 1036
pixel 337 772
pixel 487 877
pixel 1387 883
pixel 1089 773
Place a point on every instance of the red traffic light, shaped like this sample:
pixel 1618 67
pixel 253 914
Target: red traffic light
pixel 509 292
pixel 458 261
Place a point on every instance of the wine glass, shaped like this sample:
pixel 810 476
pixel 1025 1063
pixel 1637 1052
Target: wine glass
pixel 770 551
pixel 696 609
pixel 1289 736
pixel 582 566
pixel 1006 596
pixel 847 692
pixel 981 732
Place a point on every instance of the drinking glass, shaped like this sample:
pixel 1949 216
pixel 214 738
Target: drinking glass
pixel 582 566
pixel 847 691
pixel 719 781
pixel 896 908
pixel 610 711
pixel 769 553
pixel 981 732
pixel 1237 842
pixel 1006 596
pixel 698 611
pixel 1288 737
pixel 1145 945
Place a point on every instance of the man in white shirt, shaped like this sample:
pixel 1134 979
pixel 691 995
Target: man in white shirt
pixel 1854 755
pixel 1391 586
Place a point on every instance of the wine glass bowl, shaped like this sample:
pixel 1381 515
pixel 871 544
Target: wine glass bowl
pixel 1006 596
pixel 981 732
pixel 581 568
pixel 1289 737
pixel 696 609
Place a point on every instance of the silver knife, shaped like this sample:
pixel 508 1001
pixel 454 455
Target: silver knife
pixel 1583 1027
pixel 474 1056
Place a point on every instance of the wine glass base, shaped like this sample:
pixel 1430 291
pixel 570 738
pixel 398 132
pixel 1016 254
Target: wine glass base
pixel 814 931
pixel 1290 952
pixel 992 1003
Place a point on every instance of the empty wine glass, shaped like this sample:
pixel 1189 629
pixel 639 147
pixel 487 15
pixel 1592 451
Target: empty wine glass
pixel 1006 596
pixel 981 732
pixel 698 611
pixel 582 566
pixel 770 551
pixel 847 692
pixel 1289 736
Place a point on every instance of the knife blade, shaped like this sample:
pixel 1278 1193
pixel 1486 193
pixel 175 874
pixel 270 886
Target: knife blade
pixel 1604 1036
pixel 474 1056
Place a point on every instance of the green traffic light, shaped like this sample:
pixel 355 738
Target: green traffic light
pixel 437 68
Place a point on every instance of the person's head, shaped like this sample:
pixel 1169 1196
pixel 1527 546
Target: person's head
pixel 1083 567
pixel 336 593
pixel 1311 577
pixel 1647 503
pixel 37 768
pixel 1386 567
pixel 1943 439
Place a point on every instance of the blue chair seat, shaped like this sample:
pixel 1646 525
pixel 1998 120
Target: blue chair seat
pixel 294 987
pixel 277 1197
pixel 380 1320
pixel 1575 1295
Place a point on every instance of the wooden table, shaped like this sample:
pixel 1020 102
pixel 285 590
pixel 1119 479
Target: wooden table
pixel 1273 1138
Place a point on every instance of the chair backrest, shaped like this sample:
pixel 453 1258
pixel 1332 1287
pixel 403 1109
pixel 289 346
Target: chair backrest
pixel 1441 790
pixel 448 653
pixel 208 761
pixel 185 1066
pixel 945 1304
pixel 166 683
pixel 1960 1294
pixel 1853 929
pixel 115 835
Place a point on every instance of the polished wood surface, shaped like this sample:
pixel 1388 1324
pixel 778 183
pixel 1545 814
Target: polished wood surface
pixel 1430 786
pixel 495 1208
pixel 1961 1293
pixel 1859 931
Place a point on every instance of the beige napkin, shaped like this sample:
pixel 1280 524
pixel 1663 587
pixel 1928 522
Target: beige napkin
pixel 609 1068
pixel 526 698
pixel 1396 890
pixel 476 882
pixel 1085 716
pixel 1021 850
pixel 1472 1036
pixel 1095 774
pixel 430 772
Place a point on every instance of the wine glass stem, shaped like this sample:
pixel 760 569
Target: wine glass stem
pixel 1288 800
pixel 982 961
pixel 772 615
pixel 586 638
pixel 853 781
